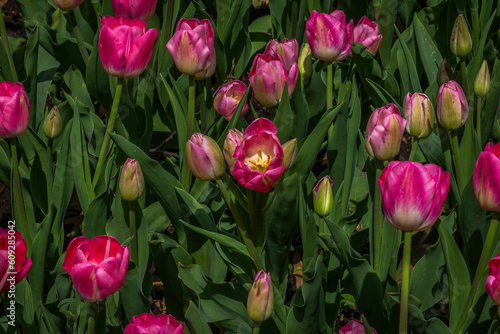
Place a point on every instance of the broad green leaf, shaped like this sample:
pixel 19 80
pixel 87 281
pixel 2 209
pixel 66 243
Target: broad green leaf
pixel 195 319
pixel 428 51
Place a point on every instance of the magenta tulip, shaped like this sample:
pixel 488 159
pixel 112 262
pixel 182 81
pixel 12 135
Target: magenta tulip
pixel 98 267
pixel 192 48
pixel 259 157
pixel 233 140
pixel 486 178
pixel 125 46
pixel 384 132
pixel 327 35
pixel 287 49
pixel 452 106
pixel 204 157
pixel 14 264
pixel 135 9
pixel 355 327
pixel 413 194
pixel 14 109
pixel 268 76
pixel 419 113
pixel 365 32
pixel 493 279
pixel 228 98
pixel 147 323
pixel 67 5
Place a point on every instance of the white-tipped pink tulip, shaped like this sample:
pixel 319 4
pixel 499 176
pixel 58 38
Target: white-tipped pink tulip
pixel 327 35
pixel 365 32
pixel 228 98
pixel 204 157
pixel 486 178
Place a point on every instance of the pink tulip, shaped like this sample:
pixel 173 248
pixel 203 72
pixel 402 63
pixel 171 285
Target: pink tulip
pixel 260 301
pixel 413 194
pixel 147 323
pixel 135 9
pixel 355 327
pixel 486 178
pixel 125 46
pixel 192 48
pixel 67 5
pixel 366 33
pixel 259 157
pixel 98 267
pixel 384 132
pixel 287 49
pixel 14 109
pixel 233 140
pixel 14 264
pixel 419 113
pixel 493 279
pixel 204 157
pixel 327 35
pixel 268 76
pixel 452 106
pixel 228 98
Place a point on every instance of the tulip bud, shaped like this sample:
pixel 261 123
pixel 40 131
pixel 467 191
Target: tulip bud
pixel 259 3
pixel 131 181
pixel 452 107
pixel 305 62
pixel 52 125
pixel 233 140
pixel 444 73
pixel 260 302
pixel 323 196
pixel 486 178
pixel 419 113
pixel 482 82
pixel 228 98
pixel 289 153
pixel 461 41
pixel 67 5
pixel 493 280
pixel 204 157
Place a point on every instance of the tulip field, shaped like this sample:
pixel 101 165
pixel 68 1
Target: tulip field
pixel 249 166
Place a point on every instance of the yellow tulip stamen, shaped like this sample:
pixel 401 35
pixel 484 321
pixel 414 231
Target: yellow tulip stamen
pixel 261 163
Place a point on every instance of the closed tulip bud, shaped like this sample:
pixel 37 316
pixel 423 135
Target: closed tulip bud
pixel 67 5
pixel 413 194
pixel 419 113
pixel 228 98
pixel 384 132
pixel 482 82
pixel 204 157
pixel 233 140
pixel 289 153
pixel 493 280
pixel 52 125
pixel 131 181
pixel 452 106
pixel 486 178
pixel 305 62
pixel 323 196
pixel 142 9
pixel 444 73
pixel 366 33
pixel 260 302
pixel 327 35
pixel 460 41
pixel 14 109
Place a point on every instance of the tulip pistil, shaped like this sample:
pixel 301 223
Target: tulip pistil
pixel 261 163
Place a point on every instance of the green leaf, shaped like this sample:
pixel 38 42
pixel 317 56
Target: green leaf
pixel 412 70
pixel 132 294
pixel 428 51
pixel 195 320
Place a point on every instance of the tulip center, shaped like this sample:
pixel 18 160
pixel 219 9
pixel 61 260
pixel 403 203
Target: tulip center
pixel 260 161
pixel 236 98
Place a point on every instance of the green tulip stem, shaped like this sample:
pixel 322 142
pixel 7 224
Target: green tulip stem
pixel 475 25
pixel 256 328
pixel 109 128
pixel 133 231
pixel 5 40
pixel 18 197
pixel 49 173
pixel 465 85
pixel 97 8
pixel 414 148
pixel 377 217
pixel 166 29
pixel 458 162
pixel 329 86
pixel 240 225
pixel 405 283
pixel 376 8
pixel 480 270
pixel 478 119
pixel 79 38
pixel 259 224
pixel 92 315
pixel 185 172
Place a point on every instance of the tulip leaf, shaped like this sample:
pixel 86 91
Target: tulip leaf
pixel 5 163
pixel 94 223
pixel 133 293
pixel 490 107
pixel 412 70
pixel 428 51
pixel 284 118
pixel 418 322
pixel 74 79
pixel 381 97
pixel 194 318
pixel 236 117
pixel 386 20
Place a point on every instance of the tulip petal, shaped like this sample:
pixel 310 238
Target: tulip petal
pixel 140 54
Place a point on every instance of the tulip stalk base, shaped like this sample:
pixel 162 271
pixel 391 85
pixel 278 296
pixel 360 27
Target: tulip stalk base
pixel 377 217
pixel 483 261
pixel 414 148
pixel 405 284
pixel 92 318
pixel 48 171
pixel 185 172
pixel 458 162
pixel 133 231
pixel 256 329
pixel 5 40
pixel 478 119
pixel 78 36
pixel 329 86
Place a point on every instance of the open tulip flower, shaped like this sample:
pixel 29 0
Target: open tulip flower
pixel 493 279
pixel 289 52
pixel 135 8
pixel 192 47
pixel 147 323
pixel 228 98
pixel 12 270
pixel 413 194
pixel 355 327
pixel 259 157
pixel 327 35
pixel 98 267
pixel 365 32
pixel 486 178
pixel 125 46
pixel 14 109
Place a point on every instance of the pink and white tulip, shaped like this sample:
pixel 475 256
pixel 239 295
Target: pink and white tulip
pixel 384 132
pixel 135 9
pixel 192 48
pixel 486 178
pixel 493 280
pixel 365 32
pixel 125 46
pixel 233 140
pixel 452 106
pixel 260 301
pixel 14 109
pixel 147 323
pixel 287 49
pixel 355 327
pixel 259 157
pixel 328 36
pixel 14 266
pixel 228 98
pixel 98 267
pixel 204 157
pixel 419 114
pixel 413 194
